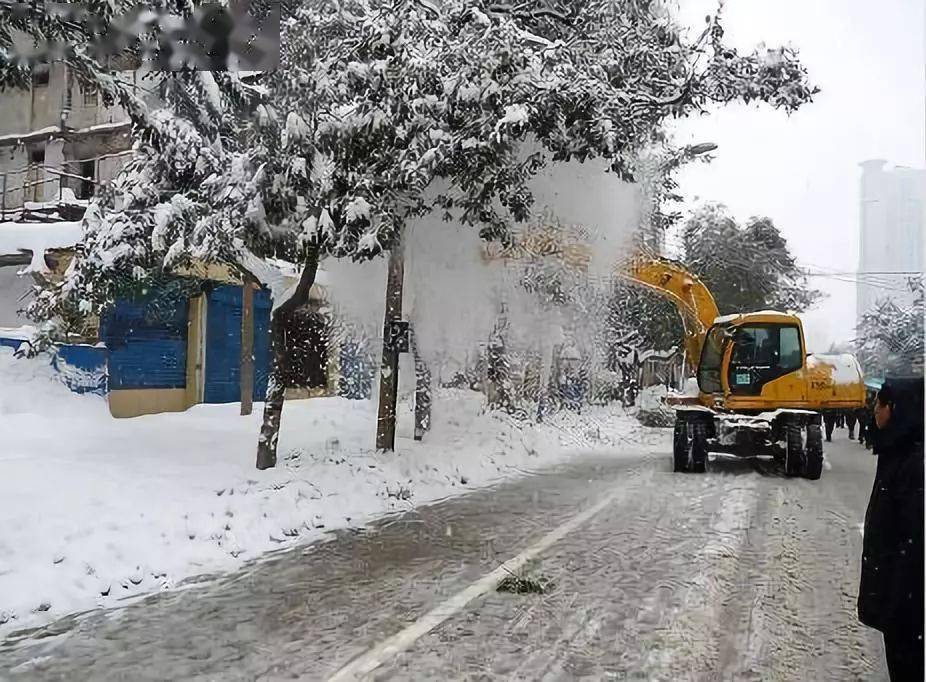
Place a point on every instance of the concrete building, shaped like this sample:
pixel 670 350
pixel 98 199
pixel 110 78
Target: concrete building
pixel 891 243
pixel 57 143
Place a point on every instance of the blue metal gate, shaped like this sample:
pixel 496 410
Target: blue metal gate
pixel 223 344
pixel 147 344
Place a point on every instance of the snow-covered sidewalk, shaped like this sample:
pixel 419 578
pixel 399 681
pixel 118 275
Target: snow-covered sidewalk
pixel 96 509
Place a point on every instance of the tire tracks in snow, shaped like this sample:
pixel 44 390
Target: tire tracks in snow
pixel 599 641
pixel 738 575
pixel 693 633
pixel 802 624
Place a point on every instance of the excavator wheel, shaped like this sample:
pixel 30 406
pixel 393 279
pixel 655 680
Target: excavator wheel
pixel 680 445
pixel 698 447
pixel 794 449
pixel 813 455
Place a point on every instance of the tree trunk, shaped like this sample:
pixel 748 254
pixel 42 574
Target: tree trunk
pixel 422 393
pixel 247 347
pixel 389 370
pixel 498 370
pixel 547 373
pixel 276 392
pixel 276 385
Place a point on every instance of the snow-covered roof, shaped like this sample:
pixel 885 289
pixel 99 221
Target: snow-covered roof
pixel 103 127
pixel 37 238
pixel 16 137
pixel 281 277
pixel 58 131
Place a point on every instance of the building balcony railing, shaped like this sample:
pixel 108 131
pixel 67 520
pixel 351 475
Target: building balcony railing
pixel 41 192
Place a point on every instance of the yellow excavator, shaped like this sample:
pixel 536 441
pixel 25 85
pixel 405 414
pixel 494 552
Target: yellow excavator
pixel 759 391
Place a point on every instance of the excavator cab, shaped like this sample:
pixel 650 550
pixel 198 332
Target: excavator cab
pixel 740 358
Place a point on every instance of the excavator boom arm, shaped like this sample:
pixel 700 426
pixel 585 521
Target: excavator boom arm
pixel 690 295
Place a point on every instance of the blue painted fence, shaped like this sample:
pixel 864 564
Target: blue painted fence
pixel 81 368
pixel 223 344
pixel 7 342
pixel 145 350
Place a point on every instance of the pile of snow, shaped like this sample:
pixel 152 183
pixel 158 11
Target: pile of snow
pixel 22 332
pixel 97 509
pixel 653 410
pixel 16 238
pixel 691 389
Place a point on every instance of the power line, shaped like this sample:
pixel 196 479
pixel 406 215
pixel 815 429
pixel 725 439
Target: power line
pixel 875 285
pixel 865 272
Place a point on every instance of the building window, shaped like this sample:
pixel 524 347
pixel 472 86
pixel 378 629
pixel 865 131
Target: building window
pixel 91 98
pixel 40 74
pixel 37 155
pixel 88 175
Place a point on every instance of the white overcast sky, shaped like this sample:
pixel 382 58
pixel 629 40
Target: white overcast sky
pixel 867 57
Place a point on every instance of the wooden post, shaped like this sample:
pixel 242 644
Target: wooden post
pixel 3 200
pixel 247 347
pixel 389 370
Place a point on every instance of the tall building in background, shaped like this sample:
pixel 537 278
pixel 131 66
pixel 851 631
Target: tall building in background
pixel 891 231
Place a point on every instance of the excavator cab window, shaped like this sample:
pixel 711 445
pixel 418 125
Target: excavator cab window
pixel 762 353
pixel 709 367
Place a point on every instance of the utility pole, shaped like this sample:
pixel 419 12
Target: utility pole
pixel 247 346
pixel 395 341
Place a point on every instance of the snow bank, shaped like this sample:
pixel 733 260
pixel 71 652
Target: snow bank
pixel 22 332
pixel 653 410
pixel 653 397
pixel 37 238
pixel 97 509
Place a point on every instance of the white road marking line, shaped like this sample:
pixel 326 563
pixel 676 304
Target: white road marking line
pixel 388 649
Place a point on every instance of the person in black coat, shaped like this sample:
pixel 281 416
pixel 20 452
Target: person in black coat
pixel 866 419
pixel 891 588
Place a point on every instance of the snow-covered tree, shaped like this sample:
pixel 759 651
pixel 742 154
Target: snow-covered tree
pixel 384 110
pixel 890 336
pixel 747 267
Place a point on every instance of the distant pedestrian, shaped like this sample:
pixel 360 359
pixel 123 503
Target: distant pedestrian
pixel 891 587
pixel 867 420
pixel 863 416
pixel 851 419
pixel 829 422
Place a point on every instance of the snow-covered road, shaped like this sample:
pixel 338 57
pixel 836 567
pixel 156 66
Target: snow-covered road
pixel 740 574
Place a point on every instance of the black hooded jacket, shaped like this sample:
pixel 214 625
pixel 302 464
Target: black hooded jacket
pixel 891 588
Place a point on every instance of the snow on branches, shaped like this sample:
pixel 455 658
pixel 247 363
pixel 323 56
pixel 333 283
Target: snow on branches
pixel 385 110
pixel 890 335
